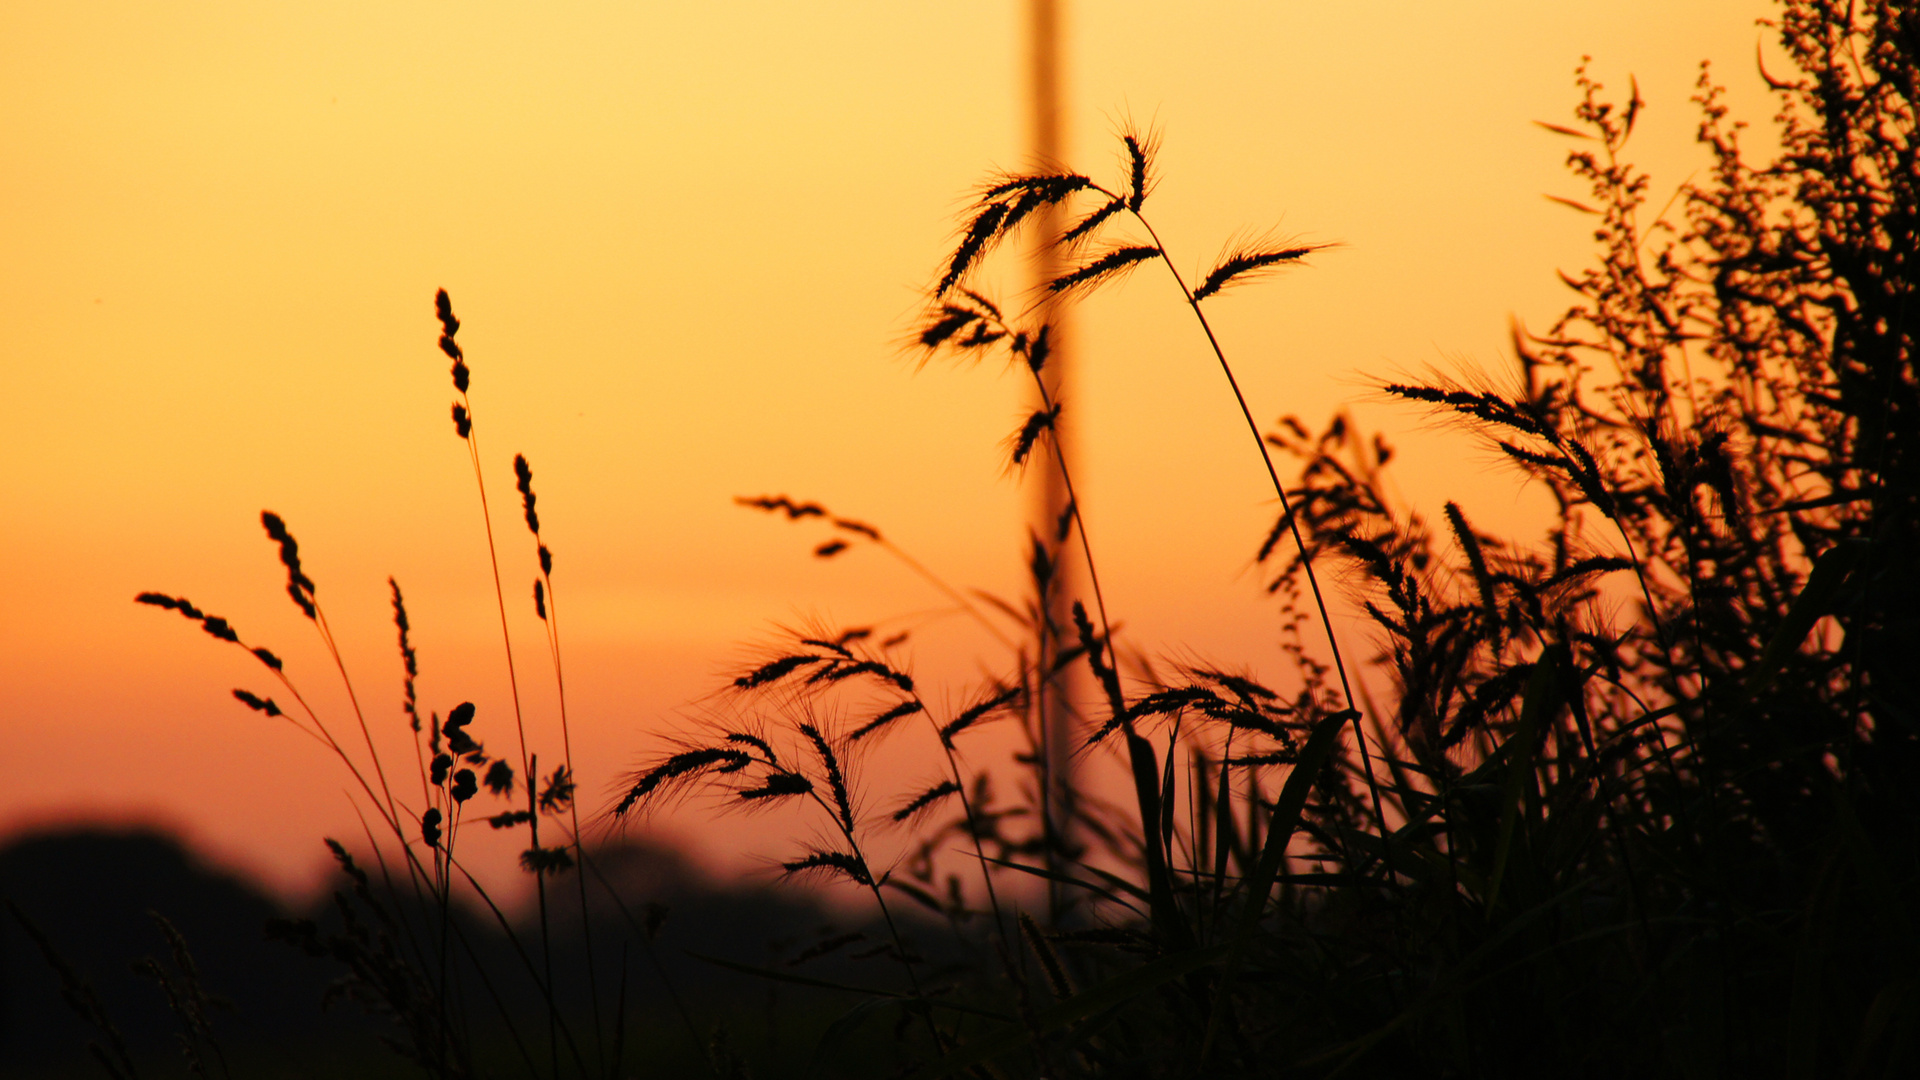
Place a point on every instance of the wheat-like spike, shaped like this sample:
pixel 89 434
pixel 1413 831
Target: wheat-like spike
pixel 1476 560
pixel 757 743
pixel 1246 688
pixel 1084 229
pixel 836 779
pixel 1586 473
pixel 1102 269
pixel 678 766
pixel 1598 564
pixel 1480 405
pixel 778 786
pixel 1522 454
pixel 926 799
pixel 905 708
pixel 973 244
pixel 1052 186
pixel 1049 962
pixel 1140 148
pixel 951 320
pixel 1245 263
pixel 775 670
pixel 833 862
pixel 974 712
pixel 1042 420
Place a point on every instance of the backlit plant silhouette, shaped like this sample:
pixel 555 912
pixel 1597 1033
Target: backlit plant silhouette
pixel 1635 796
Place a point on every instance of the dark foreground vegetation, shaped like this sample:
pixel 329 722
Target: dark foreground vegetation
pixel 1634 796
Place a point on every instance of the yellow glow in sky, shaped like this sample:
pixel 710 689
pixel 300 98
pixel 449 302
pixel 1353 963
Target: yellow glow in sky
pixel 687 242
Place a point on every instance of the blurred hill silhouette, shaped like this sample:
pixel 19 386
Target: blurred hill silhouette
pixel 92 891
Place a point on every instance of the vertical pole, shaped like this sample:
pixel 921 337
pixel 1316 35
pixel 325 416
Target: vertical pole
pixel 1047 149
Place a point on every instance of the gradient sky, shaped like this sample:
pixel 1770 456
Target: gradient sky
pixel 687 242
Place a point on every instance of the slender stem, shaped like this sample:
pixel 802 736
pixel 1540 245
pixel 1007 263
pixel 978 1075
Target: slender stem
pixel 519 719
pixel 499 595
pixel 949 591
pixel 326 636
pixel 1286 510
pixel 573 806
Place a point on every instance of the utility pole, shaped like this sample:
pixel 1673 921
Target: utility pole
pixel 1049 506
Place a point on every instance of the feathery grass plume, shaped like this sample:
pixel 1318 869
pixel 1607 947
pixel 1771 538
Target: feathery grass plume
pixel 257 703
pixel 455 729
pixel 858 527
pixel 782 504
pixel 212 624
pixel 836 779
pixel 187 996
pixel 926 800
pixel 556 794
pixel 523 480
pixel 540 599
pixel 449 326
pixel 545 861
pixel 442 766
pixel 410 664
pixel 266 656
pixel 465 785
pixel 462 421
pixel 829 549
pixel 299 586
pixel 81 998
pixel 880 722
pixel 499 778
pixel 443 310
pixel 1105 267
pixel 509 819
pixel 1247 261
pixel 430 826
pixel 851 867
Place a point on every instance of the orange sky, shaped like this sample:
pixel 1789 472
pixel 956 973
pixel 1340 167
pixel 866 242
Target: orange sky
pixel 686 242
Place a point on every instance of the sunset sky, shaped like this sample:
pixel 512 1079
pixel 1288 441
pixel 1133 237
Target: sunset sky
pixel 687 242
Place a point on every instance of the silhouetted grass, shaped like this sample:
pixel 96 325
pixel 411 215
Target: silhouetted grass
pixel 1527 836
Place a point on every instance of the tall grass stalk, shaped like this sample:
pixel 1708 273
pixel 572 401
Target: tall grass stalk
pixel 1566 842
